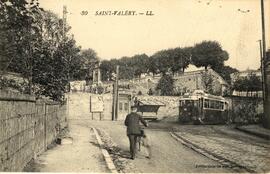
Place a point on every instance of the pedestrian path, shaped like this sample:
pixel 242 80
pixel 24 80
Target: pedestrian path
pixel 81 155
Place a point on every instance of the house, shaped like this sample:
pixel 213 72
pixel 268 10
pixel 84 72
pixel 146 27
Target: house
pixel 200 79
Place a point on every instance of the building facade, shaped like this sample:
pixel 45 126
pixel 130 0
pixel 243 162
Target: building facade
pixel 206 80
pixel 124 104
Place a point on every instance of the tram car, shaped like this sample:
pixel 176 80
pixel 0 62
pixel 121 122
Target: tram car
pixel 202 108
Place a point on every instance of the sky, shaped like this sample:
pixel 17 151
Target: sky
pixel 174 23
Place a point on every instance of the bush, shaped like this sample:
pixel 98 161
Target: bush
pixel 245 113
pixel 165 85
pixel 10 83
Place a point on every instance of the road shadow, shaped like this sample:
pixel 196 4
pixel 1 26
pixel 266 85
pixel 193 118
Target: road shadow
pixel 115 151
pixel 33 166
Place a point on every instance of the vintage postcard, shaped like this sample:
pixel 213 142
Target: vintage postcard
pixel 135 86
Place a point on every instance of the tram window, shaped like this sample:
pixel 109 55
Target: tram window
pixel 220 105
pixel 217 105
pixel 212 104
pixel 206 103
pixel 189 102
pixel 196 103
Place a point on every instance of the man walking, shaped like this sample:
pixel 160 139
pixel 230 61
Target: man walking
pixel 132 122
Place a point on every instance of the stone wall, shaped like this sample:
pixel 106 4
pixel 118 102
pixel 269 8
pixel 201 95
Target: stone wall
pixel 79 106
pixel 27 127
pixel 244 110
pixel 187 82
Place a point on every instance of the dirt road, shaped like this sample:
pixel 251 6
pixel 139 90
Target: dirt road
pixel 168 154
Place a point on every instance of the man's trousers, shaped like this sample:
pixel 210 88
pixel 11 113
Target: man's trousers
pixel 132 145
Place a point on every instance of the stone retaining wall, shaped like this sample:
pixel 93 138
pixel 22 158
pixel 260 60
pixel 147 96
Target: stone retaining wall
pixel 27 127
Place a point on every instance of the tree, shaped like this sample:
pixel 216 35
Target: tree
pixel 209 53
pixel 181 58
pixel 34 44
pixel 129 67
pixel 255 83
pixel 58 59
pixel 139 64
pixel 165 85
pixel 208 82
pixel 250 83
pixel 126 67
pixel 52 72
pixel 20 36
pixel 151 65
pixel 108 67
pixel 225 72
pixel 163 61
pixel 89 59
pixel 106 70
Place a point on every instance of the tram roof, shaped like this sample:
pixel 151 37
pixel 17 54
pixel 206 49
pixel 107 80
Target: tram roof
pixel 202 95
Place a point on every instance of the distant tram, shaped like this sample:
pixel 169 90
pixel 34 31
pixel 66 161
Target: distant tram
pixel 203 108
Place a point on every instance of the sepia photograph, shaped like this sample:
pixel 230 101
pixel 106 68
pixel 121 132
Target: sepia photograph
pixel 135 86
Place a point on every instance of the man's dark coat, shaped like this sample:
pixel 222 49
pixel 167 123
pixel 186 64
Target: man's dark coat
pixel 133 123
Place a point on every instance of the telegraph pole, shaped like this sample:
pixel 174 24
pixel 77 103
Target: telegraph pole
pixel 64 20
pixel 262 68
pixel 64 39
pixel 115 95
pixel 265 88
pixel 117 103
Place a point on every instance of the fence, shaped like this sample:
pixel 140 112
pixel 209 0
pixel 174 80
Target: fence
pixel 27 127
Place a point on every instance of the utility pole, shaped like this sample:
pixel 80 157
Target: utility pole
pixel 262 68
pixel 64 21
pixel 265 88
pixel 115 95
pixel 117 103
pixel 64 39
